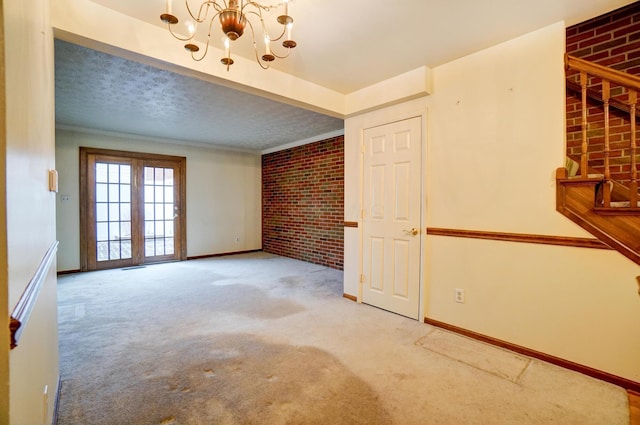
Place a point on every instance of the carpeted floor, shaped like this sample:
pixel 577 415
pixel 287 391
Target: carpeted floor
pixel 262 339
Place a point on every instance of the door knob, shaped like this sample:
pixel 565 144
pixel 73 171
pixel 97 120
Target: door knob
pixel 412 232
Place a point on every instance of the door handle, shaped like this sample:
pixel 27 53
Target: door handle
pixel 412 232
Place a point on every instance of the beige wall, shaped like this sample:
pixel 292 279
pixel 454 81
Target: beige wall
pixel 223 194
pixel 495 136
pixel 4 284
pixel 30 207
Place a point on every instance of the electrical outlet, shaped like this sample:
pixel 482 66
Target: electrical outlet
pixel 237 239
pixel 459 295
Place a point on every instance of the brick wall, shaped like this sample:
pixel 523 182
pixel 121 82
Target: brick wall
pixel 611 40
pixel 303 202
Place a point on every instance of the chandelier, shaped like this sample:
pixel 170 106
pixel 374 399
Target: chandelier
pixel 233 16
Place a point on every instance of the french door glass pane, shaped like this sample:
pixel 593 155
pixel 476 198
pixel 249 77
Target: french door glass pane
pixel 158 211
pixel 101 192
pixel 102 212
pixel 101 173
pixel 113 211
pixel 168 246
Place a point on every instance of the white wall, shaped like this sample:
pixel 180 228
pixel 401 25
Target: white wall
pixel 495 138
pixel 30 207
pixel 223 194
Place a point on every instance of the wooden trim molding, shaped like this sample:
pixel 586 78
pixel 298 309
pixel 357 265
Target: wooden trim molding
pixel 586 370
pixel 23 308
pixel 350 297
pixel 634 407
pixel 63 272
pixel 520 237
pixel 56 402
pixel 351 224
pixel 223 254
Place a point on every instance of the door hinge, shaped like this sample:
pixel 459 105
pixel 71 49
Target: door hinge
pixel 363 148
pixel 362 213
pixel 362 278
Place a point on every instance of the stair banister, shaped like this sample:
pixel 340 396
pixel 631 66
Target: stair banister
pixel 628 80
pixel 632 84
pixel 583 157
pixel 633 186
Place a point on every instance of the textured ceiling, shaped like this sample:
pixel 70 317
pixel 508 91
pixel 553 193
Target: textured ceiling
pixel 342 45
pixel 99 91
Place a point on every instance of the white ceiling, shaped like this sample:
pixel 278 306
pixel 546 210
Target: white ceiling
pixel 342 45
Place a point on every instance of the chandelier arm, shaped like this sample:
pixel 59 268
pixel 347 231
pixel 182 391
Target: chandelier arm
pixel 255 46
pixel 213 18
pixel 206 50
pixel 258 58
pixel 281 57
pixel 284 30
pixel 259 15
pixel 253 12
pixel 200 18
pixel 179 37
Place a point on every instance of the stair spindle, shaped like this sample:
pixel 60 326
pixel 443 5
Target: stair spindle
pixel 583 157
pixel 633 185
pixel 606 187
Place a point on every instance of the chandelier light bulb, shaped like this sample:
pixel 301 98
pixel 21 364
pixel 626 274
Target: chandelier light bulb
pixel 289 28
pixel 267 43
pixel 191 29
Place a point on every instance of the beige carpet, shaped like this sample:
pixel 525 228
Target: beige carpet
pixel 262 339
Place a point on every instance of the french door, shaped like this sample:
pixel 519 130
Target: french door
pixel 132 208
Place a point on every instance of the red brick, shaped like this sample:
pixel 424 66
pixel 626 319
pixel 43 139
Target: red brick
pixel 622 52
pixel 627 30
pixel 580 37
pixel 626 48
pixel 595 41
pixel 616 24
pixel 303 202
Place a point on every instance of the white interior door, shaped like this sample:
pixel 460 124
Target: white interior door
pixel 392 217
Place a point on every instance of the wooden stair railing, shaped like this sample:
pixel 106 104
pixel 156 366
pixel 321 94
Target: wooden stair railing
pixel 629 83
pixel 592 199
